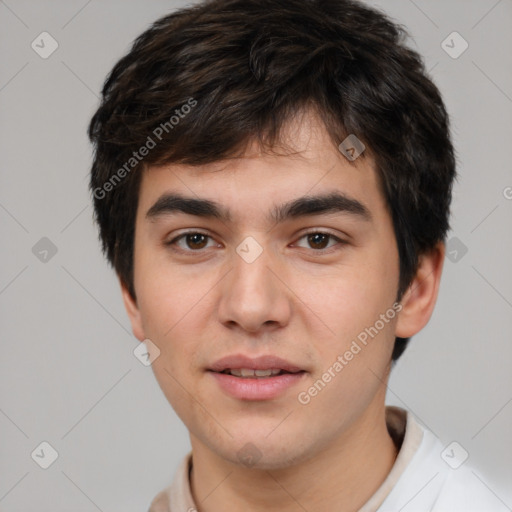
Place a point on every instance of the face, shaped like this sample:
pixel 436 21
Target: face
pixel 269 287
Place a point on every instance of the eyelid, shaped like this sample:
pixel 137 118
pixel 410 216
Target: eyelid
pixel 324 231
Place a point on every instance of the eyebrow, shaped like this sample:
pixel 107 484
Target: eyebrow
pixel 335 202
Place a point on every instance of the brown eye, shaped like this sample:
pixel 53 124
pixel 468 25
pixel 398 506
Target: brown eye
pixel 318 240
pixel 193 241
pixel 196 240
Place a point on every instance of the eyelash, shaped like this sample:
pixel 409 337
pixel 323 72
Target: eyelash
pixel 192 251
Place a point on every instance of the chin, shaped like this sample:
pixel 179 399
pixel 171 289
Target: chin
pixel 261 452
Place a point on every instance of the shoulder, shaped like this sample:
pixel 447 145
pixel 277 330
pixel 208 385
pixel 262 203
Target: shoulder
pixel 438 478
pixel 160 503
pixel 462 487
pixel 466 490
pixel 177 496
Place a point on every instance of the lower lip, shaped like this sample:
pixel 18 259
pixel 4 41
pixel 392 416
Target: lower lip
pixel 258 388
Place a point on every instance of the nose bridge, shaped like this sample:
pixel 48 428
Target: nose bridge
pixel 251 274
pixel 252 296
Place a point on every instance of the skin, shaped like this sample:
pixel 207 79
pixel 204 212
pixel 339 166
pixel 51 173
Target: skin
pixel 301 301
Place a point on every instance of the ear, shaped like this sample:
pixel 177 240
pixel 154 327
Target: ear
pixel 132 309
pixel 420 298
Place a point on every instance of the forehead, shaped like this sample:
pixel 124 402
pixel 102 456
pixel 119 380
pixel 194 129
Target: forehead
pixel 306 162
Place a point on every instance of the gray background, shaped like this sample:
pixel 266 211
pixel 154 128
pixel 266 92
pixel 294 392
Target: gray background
pixel 67 372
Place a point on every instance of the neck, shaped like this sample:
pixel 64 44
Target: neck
pixel 341 477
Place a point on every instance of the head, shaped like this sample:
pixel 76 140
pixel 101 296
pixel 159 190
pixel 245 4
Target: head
pixel 245 104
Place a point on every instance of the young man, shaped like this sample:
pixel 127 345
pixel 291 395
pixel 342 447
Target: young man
pixel 272 182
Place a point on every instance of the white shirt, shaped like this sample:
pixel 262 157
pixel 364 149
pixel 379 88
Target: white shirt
pixel 426 477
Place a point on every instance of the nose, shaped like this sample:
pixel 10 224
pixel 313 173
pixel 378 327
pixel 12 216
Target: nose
pixel 254 295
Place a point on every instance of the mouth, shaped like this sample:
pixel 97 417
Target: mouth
pixel 248 373
pixel 262 378
pixel 240 365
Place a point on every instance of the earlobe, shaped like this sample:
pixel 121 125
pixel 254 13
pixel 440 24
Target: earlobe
pixel 420 298
pixel 133 312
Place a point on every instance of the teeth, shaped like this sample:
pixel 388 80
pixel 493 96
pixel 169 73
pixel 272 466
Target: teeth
pixel 263 373
pixel 247 372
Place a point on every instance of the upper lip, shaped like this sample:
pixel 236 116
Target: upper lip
pixel 238 361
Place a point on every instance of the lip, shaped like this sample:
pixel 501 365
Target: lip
pixel 266 388
pixel 256 363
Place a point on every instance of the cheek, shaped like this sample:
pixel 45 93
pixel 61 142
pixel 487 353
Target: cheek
pixel 164 292
pixel 353 299
pixel 351 305
pixel 168 319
